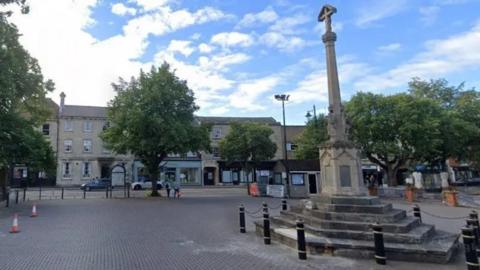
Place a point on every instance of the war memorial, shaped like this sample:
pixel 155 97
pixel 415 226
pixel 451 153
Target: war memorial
pixel 339 220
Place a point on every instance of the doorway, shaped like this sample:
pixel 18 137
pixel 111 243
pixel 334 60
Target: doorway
pixel 208 176
pixel 105 171
pixel 312 184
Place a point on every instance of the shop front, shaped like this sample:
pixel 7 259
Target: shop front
pixel 186 172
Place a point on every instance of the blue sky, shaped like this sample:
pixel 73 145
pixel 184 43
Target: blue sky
pixel 236 55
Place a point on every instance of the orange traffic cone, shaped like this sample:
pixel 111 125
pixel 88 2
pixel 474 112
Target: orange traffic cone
pixel 34 211
pixel 15 224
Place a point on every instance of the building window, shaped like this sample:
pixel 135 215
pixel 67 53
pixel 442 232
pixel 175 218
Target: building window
pixel 189 176
pixel 87 145
pixel 105 125
pixel 86 169
pixel 68 146
pixel 66 170
pixel 216 152
pixel 68 125
pixel 46 129
pixel 216 133
pixel 277 179
pixel 291 147
pixel 298 179
pixel 87 126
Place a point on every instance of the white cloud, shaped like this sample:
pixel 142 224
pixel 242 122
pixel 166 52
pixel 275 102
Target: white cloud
pixel 121 9
pixel 374 11
pixel 440 58
pixel 254 19
pixel 205 48
pixel 149 5
pixel 389 48
pixel 282 42
pixel 84 67
pixel 181 46
pixel 287 25
pixel 230 39
pixel 247 93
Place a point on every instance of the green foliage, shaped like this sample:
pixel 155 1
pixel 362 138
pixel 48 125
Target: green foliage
pixel 23 104
pixel 392 130
pixel 248 142
pixel 312 137
pixel 151 117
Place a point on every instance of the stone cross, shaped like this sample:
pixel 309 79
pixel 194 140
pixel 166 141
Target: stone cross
pixel 326 15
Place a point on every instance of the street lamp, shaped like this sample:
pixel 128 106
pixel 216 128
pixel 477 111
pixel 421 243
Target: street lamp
pixel 308 115
pixel 283 98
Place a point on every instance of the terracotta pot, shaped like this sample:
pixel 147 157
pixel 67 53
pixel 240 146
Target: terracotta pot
pixel 410 194
pixel 373 191
pixel 451 198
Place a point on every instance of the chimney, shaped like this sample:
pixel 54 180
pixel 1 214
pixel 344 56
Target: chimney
pixel 62 101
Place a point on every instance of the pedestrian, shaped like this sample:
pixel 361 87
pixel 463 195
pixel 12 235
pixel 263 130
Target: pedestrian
pixel 176 189
pixel 167 187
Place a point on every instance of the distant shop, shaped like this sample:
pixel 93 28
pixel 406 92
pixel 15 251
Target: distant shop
pixel 187 172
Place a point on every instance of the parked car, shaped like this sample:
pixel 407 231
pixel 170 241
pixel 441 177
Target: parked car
pixel 102 183
pixel 145 184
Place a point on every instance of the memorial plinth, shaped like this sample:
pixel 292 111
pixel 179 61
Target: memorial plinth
pixel 338 220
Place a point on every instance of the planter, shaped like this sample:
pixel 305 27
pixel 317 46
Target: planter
pixel 373 191
pixel 410 194
pixel 451 198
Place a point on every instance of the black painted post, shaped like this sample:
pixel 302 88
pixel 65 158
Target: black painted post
pixel 301 245
pixel 62 192
pixel 40 193
pixel 284 205
pixel 111 189
pixel 128 191
pixel 266 225
pixel 84 193
pixel 473 216
pixel 16 196
pixel 470 249
pixel 125 190
pixel 416 212
pixel 7 202
pixel 106 192
pixel 242 219
pixel 24 193
pixel 379 247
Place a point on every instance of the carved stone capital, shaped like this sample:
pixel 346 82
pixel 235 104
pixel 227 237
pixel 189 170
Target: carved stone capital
pixel 329 37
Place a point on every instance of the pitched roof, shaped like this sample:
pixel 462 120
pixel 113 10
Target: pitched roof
pixel 228 120
pixel 84 111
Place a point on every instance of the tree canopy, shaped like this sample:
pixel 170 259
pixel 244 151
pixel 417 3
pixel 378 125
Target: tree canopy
pixel 152 116
pixel 248 142
pixel 314 134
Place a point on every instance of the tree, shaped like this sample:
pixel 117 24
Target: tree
pixel 152 116
pixel 23 103
pixel 309 141
pixel 394 130
pixel 248 143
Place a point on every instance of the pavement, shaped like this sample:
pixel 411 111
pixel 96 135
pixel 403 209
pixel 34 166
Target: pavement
pixel 198 231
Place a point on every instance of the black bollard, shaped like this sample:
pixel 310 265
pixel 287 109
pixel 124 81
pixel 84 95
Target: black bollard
pixel 301 245
pixel 284 205
pixel 24 193
pixel 7 202
pixel 416 212
pixel 111 189
pixel 125 190
pixel 62 192
pixel 106 192
pixel 476 229
pixel 242 219
pixel 84 193
pixel 266 225
pixel 16 196
pixel 128 191
pixel 40 193
pixel 379 247
pixel 470 250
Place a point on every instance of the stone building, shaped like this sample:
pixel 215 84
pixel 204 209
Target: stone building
pixel 74 134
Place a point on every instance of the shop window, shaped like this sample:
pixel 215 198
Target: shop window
pixel 277 179
pixel 189 176
pixel 226 176
pixel 298 179
pixel 46 129
pixel 170 174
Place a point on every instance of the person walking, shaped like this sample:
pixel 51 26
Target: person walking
pixel 167 187
pixel 176 188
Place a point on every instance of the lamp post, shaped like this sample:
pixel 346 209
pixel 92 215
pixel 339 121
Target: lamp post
pixel 283 98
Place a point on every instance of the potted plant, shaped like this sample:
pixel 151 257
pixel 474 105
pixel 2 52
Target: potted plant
pixel 410 193
pixel 450 196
